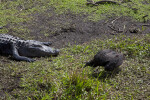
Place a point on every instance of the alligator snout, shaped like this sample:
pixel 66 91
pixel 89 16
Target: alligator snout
pixel 56 51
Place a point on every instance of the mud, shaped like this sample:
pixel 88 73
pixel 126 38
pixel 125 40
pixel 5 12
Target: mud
pixel 73 29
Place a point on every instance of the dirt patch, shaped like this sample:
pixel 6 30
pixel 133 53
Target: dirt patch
pixel 69 28
pixel 72 29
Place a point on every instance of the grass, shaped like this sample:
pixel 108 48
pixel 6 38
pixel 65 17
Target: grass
pixel 64 78
pixel 17 11
pixel 103 11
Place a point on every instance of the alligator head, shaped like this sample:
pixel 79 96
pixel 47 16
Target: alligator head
pixel 34 49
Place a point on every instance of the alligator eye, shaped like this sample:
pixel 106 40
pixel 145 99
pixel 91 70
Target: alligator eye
pixel 37 46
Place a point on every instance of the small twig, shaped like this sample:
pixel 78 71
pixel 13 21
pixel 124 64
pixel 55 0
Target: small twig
pixel 91 2
pixel 115 20
pixel 124 27
pixel 145 24
pixel 112 27
pixel 107 2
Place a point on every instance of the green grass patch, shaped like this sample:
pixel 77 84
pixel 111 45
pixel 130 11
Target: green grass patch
pixel 65 78
pixel 14 12
pixel 18 10
pixel 136 9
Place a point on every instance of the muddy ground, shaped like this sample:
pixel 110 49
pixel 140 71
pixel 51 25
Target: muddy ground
pixel 75 29
pixel 72 29
pixel 66 29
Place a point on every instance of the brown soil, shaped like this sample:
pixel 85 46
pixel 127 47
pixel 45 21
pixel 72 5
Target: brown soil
pixel 73 29
pixel 69 28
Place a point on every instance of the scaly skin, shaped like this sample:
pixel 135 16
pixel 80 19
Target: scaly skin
pixel 21 49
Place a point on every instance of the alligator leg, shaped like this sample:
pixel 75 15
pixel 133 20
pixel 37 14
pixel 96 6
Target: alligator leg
pixel 16 56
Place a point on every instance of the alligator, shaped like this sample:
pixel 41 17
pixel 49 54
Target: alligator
pixel 107 58
pixel 24 50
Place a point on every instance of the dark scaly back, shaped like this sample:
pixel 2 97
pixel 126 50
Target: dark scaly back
pixel 5 39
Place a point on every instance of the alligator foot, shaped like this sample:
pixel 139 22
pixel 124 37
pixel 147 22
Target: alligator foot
pixel 16 56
